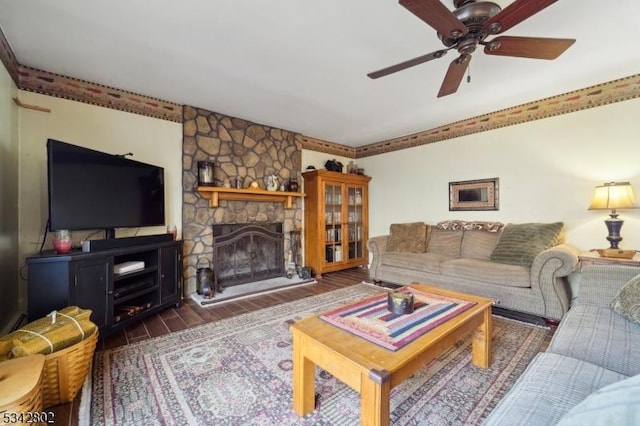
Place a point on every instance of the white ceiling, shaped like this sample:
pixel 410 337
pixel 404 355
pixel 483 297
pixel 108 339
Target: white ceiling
pixel 302 65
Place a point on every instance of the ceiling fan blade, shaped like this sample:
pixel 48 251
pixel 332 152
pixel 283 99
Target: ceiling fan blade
pixel 528 47
pixel 454 75
pixel 434 13
pixel 513 14
pixel 407 64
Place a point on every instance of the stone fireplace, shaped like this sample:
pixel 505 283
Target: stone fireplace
pixel 241 149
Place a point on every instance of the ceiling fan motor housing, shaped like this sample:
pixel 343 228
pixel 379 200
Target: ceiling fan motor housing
pixel 473 15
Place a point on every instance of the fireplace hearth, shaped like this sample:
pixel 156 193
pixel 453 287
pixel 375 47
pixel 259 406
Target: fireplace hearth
pixel 244 253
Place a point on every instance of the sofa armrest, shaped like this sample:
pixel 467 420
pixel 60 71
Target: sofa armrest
pixel 599 284
pixel 549 273
pixel 376 246
pixel 566 256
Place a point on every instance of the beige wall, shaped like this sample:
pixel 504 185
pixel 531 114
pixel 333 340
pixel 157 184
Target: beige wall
pixel 151 141
pixel 547 169
pixel 9 150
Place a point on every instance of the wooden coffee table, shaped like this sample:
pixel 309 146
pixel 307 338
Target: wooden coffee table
pixel 373 370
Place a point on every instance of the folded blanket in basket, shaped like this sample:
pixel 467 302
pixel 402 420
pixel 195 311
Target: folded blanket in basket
pixel 58 330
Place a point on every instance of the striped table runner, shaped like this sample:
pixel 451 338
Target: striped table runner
pixel 371 320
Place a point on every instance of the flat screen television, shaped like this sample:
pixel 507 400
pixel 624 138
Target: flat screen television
pixel 93 190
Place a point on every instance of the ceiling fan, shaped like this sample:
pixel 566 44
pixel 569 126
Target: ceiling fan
pixel 468 26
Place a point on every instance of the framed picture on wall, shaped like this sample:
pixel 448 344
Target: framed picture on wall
pixel 480 194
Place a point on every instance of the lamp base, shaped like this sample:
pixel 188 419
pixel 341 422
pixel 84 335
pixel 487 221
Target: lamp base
pixel 620 254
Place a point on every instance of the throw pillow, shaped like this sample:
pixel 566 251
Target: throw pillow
pixel 457 225
pixel 519 244
pixel 615 404
pixel 627 301
pixel 407 237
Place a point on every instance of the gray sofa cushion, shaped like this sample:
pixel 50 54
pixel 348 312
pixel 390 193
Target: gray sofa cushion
pixel 425 262
pixel 615 404
pixel 445 242
pixel 627 301
pixel 486 271
pixel 599 335
pixel 550 386
pixel 478 244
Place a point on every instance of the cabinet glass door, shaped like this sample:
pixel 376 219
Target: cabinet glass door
pixel 333 222
pixel 354 222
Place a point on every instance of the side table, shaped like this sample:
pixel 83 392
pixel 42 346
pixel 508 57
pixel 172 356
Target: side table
pixel 593 258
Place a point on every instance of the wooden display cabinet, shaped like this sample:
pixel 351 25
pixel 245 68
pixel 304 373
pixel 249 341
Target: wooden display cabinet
pixel 336 214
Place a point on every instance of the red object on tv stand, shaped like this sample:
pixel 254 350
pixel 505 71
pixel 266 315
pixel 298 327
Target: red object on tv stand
pixel 62 242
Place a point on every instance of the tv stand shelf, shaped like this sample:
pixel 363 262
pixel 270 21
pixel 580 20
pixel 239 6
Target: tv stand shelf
pixel 126 275
pixel 87 280
pixel 126 316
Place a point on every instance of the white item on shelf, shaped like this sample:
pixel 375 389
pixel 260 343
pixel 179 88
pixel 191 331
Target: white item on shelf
pixel 338 254
pixel 125 267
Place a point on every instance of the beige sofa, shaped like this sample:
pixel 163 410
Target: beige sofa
pixel 504 263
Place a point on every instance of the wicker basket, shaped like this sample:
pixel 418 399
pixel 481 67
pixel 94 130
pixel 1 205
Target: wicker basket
pixel 66 370
pixel 20 387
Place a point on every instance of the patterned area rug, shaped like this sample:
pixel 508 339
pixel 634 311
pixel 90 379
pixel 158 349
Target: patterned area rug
pixel 237 371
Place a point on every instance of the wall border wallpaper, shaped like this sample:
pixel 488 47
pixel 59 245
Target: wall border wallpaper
pixel 8 58
pixel 60 86
pixel 590 97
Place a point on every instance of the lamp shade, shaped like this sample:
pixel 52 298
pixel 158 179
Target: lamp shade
pixel 613 195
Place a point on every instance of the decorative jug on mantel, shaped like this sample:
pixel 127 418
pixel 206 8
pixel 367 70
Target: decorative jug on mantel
pixel 272 183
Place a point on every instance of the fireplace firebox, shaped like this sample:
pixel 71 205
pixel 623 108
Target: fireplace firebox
pixel 244 253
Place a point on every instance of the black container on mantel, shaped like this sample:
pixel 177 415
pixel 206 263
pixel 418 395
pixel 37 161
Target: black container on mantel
pixel 293 185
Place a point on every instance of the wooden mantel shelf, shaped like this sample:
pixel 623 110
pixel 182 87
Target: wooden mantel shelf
pixel 216 193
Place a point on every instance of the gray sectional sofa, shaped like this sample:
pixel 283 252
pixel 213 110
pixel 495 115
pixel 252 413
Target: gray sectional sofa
pixel 590 374
pixel 463 256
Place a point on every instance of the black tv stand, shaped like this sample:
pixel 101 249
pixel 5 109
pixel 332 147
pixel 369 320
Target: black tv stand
pixel 88 280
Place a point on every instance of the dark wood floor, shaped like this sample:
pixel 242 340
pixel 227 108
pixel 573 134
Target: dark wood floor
pixel 190 314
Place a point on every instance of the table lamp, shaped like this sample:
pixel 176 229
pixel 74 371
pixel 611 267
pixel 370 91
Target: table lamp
pixel 613 196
